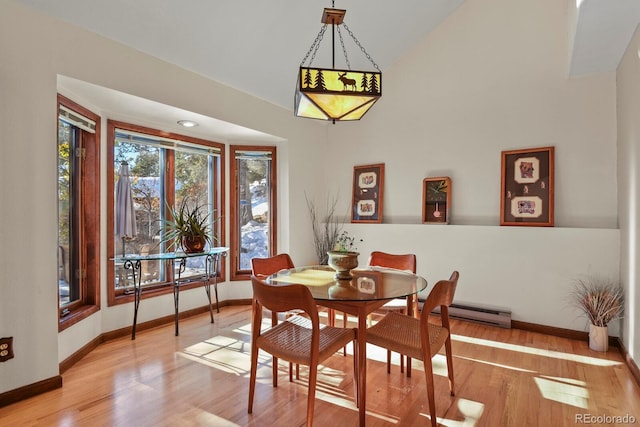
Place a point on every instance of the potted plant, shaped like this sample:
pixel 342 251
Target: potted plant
pixel 344 256
pixel 601 301
pixel 188 227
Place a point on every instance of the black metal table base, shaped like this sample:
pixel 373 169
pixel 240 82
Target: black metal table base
pixel 212 263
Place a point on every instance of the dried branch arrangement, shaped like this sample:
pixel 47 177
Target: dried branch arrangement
pixel 601 300
pixel 326 228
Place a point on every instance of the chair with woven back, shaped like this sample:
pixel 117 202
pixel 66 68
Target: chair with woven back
pixel 399 262
pixel 265 267
pixel 297 339
pixel 424 337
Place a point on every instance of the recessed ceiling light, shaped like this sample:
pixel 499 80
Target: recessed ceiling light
pixel 187 123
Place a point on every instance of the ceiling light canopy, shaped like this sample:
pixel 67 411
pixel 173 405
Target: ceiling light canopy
pixel 335 94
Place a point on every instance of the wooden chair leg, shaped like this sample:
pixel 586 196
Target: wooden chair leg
pixel 447 346
pixel 411 310
pixel 331 320
pixel 274 371
pixel 345 319
pixel 274 361
pixel 311 400
pixel 388 361
pixel 252 377
pixel 356 374
pixel 431 397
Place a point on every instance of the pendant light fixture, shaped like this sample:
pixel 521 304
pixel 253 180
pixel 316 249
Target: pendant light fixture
pixel 335 94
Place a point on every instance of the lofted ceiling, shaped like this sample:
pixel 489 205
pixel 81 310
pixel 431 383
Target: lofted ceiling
pixel 256 46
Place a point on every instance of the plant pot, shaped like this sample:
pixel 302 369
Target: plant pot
pixel 598 338
pixel 193 244
pixel 342 263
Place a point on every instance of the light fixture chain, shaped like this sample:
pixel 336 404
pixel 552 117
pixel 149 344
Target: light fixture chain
pixel 361 47
pixel 346 58
pixel 314 47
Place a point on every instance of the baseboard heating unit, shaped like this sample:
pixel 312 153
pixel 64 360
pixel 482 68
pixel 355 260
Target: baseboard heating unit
pixel 487 315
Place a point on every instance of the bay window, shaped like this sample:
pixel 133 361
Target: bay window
pixel 164 170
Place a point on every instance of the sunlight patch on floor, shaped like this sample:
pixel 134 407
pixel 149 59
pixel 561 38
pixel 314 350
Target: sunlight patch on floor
pixel 497 365
pixel 203 418
pixel 560 391
pixel 231 363
pixel 384 417
pixel 537 351
pixel 228 354
pixel 579 383
pixel 244 329
pixel 334 395
pixel 328 382
pixel 472 411
pixel 233 356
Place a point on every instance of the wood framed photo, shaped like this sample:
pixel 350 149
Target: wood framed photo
pixel 436 200
pixel 368 190
pixel 527 196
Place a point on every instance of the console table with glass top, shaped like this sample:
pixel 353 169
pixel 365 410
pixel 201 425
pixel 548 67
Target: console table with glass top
pixel 212 262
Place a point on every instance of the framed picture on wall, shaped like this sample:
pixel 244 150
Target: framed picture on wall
pixel 526 196
pixel 368 190
pixel 436 200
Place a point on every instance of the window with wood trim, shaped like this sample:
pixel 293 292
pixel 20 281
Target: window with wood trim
pixel 78 212
pixel 164 169
pixel 253 206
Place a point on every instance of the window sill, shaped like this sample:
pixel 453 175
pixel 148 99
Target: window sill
pixel 76 316
pixel 243 275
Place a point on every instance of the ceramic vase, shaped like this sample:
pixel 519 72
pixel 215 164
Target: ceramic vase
pixel 342 263
pixel 598 338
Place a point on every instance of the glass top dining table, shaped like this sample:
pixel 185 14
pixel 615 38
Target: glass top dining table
pixel 369 289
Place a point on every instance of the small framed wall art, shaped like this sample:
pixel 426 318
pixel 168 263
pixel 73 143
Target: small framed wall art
pixel 527 187
pixel 436 200
pixel 368 191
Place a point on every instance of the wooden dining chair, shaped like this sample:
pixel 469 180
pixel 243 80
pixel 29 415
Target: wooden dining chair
pixel 265 267
pixel 399 262
pixel 421 338
pixel 300 340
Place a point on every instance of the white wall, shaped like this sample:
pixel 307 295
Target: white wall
pixel 628 78
pixel 528 271
pixel 483 82
pixel 492 77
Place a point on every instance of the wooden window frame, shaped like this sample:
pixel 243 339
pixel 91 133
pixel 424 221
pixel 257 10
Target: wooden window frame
pixel 89 302
pixel 236 272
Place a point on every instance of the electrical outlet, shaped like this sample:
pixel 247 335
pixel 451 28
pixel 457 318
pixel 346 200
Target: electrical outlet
pixel 6 349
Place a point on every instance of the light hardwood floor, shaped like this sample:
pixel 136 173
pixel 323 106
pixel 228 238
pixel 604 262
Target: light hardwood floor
pixel 504 377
